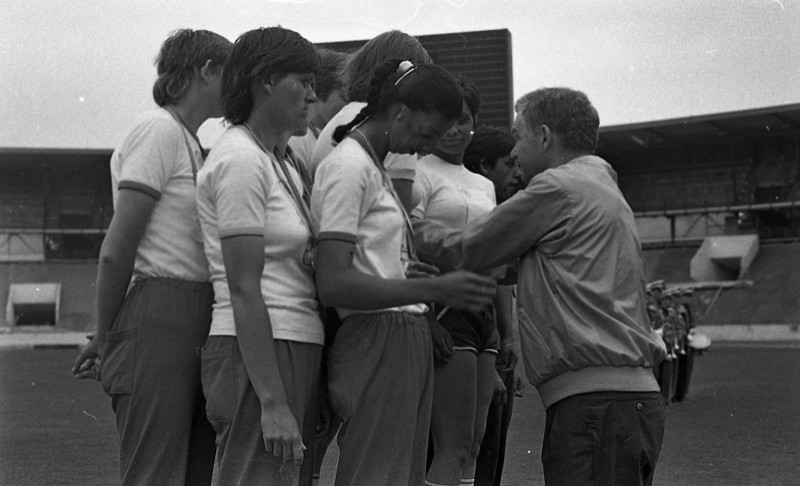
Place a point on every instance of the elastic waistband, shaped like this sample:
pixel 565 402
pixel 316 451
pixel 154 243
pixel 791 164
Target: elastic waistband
pixel 142 282
pixel 388 315
pixel 597 379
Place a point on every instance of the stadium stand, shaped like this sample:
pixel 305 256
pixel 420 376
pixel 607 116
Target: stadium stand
pixel 745 165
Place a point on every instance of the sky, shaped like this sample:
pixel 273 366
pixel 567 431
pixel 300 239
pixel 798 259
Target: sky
pixel 75 73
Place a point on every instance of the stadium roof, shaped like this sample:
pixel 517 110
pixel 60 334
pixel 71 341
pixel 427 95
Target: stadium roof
pixel 52 151
pixel 756 123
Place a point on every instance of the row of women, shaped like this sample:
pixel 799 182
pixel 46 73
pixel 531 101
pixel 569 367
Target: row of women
pixel 213 271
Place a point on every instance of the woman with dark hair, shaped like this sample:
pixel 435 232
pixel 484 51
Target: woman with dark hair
pixel 489 154
pixel 450 196
pixel 357 75
pixel 153 296
pixel 260 364
pixel 331 97
pixel 381 364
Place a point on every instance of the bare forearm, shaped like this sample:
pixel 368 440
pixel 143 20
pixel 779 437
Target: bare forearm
pixel 118 255
pixel 257 346
pixel 342 285
pixel 352 289
pixel 113 278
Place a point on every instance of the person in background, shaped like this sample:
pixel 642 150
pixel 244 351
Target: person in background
pixel 489 154
pixel 153 296
pixel 450 196
pixel 331 97
pixel 381 363
pixel 586 339
pixel 357 75
pixel 261 361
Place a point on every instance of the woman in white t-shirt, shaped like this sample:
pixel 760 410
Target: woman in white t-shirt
pixel 260 364
pixel 381 363
pixel 357 76
pixel 331 97
pixel 153 295
pixel 450 197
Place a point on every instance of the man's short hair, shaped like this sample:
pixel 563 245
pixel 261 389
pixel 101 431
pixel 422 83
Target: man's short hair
pixel 567 112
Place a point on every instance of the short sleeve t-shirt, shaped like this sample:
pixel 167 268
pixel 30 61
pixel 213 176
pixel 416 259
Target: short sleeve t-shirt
pixel 450 196
pixel 243 191
pixel 398 166
pixel 352 202
pixel 154 159
pixel 302 147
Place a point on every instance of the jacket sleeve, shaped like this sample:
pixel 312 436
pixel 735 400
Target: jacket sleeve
pixel 533 216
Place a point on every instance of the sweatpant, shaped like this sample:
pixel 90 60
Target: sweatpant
pixel 380 378
pixel 235 411
pixel 151 370
pixel 603 438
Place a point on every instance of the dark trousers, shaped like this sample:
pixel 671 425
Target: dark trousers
pixel 603 438
pixel 665 375
pixel 489 467
pixel 234 410
pixel 684 374
pixel 151 369
pixel 380 377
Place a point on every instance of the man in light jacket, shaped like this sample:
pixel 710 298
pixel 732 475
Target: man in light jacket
pixel 586 338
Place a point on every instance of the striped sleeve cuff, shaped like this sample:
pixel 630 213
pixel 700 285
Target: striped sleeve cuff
pixel 138 186
pixel 252 231
pixel 337 235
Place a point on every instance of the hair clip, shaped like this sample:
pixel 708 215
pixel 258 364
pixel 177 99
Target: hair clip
pixel 406 68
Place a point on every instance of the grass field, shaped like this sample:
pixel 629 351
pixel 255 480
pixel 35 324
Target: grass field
pixel 740 425
pixel 55 430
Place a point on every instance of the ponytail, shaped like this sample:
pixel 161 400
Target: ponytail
pixel 425 87
pixel 382 93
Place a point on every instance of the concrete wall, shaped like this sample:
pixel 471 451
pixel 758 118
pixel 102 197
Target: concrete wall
pixel 77 280
pixel 724 257
pixel 774 297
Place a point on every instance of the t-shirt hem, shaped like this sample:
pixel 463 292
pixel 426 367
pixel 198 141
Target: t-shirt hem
pixel 413 309
pixel 282 335
pixel 299 337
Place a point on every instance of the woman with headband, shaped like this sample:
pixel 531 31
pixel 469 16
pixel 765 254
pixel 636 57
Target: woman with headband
pixel 357 76
pixel 381 362
pixel 153 296
pixel 261 360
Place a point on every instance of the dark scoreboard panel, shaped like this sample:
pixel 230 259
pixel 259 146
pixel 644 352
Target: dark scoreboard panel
pixel 483 56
